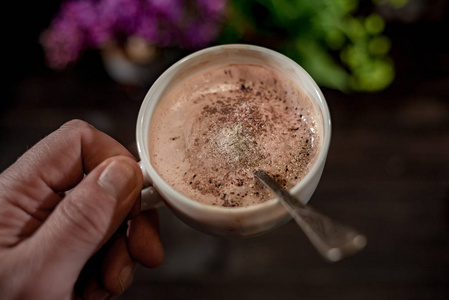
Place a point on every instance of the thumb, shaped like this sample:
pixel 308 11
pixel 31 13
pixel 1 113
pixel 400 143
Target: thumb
pixel 90 214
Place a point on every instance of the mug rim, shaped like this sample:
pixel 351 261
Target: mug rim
pixel 157 180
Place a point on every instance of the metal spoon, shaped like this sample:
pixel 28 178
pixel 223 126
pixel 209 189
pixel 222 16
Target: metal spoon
pixel 332 239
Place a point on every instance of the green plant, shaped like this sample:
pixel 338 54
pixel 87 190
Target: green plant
pixel 341 47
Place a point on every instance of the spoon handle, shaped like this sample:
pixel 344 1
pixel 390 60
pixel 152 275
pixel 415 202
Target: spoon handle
pixel 332 239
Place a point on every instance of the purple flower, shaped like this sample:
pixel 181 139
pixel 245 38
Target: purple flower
pixel 120 16
pixel 87 24
pixel 62 44
pixel 198 35
pixel 168 10
pixel 213 8
pixel 67 35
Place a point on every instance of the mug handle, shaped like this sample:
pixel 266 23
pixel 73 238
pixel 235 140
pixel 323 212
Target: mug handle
pixel 150 198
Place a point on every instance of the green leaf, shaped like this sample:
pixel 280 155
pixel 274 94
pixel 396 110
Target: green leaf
pixel 374 24
pixel 373 76
pixel 314 58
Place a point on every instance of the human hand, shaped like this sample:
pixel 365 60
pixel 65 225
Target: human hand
pixel 80 244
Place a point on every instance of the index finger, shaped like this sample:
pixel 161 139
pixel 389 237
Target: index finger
pixel 60 160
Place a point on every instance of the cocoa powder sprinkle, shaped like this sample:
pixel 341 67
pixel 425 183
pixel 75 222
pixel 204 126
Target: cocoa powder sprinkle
pixel 251 123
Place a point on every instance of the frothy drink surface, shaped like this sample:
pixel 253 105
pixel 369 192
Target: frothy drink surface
pixel 211 133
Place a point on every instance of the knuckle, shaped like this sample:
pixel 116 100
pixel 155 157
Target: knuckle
pixel 77 128
pixel 77 125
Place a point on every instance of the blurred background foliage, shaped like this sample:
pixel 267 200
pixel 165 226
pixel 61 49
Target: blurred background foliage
pixel 339 42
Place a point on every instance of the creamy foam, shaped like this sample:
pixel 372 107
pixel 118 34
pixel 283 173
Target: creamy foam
pixel 211 133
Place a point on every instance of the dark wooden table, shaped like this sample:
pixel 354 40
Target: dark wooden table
pixel 387 174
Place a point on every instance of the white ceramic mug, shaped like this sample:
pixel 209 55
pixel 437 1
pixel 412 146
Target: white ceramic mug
pixel 230 221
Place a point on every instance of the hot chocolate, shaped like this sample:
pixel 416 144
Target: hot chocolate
pixel 210 134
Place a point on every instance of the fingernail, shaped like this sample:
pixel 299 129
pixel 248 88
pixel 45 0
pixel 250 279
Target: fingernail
pixel 117 179
pixel 126 276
